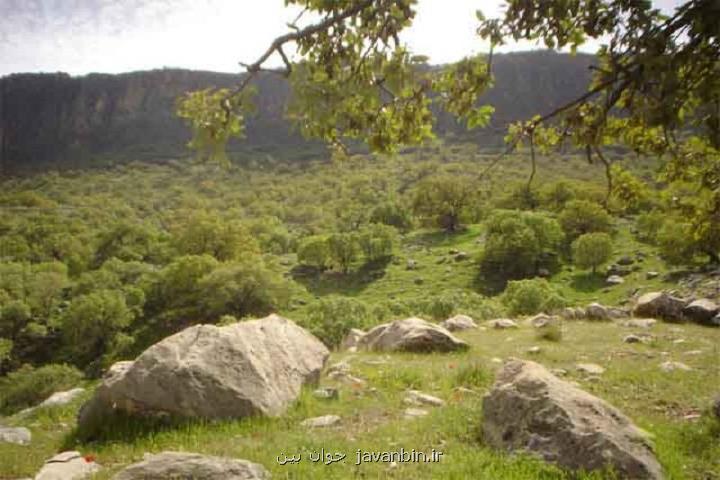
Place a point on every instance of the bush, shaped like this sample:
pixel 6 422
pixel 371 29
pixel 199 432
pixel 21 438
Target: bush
pixel 330 319
pixel 648 226
pixel 592 250
pixel 517 245
pixel 343 249
pixel 527 297
pixel 377 241
pixel 392 214
pixel 580 217
pixel 449 303
pixel 314 252
pixel 90 328
pixel 28 386
pixel 241 289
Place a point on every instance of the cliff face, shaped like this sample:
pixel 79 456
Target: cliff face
pixel 58 120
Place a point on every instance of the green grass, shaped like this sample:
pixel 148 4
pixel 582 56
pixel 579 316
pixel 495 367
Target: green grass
pixel 373 418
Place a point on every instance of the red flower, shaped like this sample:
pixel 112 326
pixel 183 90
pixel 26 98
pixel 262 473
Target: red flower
pixel 89 458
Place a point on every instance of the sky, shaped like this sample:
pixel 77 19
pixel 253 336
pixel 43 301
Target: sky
pixel 113 36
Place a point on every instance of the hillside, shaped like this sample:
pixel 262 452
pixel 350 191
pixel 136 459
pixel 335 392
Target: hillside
pixel 62 121
pixel 97 265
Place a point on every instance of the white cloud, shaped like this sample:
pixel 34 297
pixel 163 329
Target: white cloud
pixel 81 36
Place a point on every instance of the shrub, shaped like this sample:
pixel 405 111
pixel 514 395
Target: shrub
pixel 449 303
pixel 392 214
pixel 242 289
pixel 314 252
pixel 580 217
pixel 330 319
pixel 443 199
pixel 517 245
pixel 377 241
pixel 343 249
pixel 28 386
pixel 91 325
pixel 555 195
pixel 527 297
pixel 648 226
pixel 592 250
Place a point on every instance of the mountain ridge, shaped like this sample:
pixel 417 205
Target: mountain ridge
pixel 54 120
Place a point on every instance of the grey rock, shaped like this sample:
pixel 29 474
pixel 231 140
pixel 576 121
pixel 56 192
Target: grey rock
pixel 652 275
pixel 590 368
pixel 529 409
pixel 640 323
pixel 327 393
pixel 415 413
pixel 321 422
pixel 659 305
pixel 255 367
pixel 412 335
pixel 458 322
pixel 632 339
pixel 16 435
pixel 502 323
pixel 542 320
pixel 416 398
pixel 58 399
pixel 352 339
pixel 701 311
pixel 595 311
pixel 461 256
pixel 615 280
pixel 674 366
pixel 67 466
pixel 180 465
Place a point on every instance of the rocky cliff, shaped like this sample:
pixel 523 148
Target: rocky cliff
pixel 63 121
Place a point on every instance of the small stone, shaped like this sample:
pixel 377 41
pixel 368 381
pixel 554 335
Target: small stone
pixel 502 323
pixel 626 260
pixel 321 422
pixel 533 350
pixel 496 360
pixel 651 275
pixel 693 352
pixel 672 366
pixel 67 466
pixel 459 322
pixel 632 339
pixel 419 281
pixel 461 256
pixel 590 368
pixel 412 264
pixel 615 280
pixel 559 372
pixel 16 435
pixel 415 413
pixel 639 323
pixel 417 398
pixel 327 393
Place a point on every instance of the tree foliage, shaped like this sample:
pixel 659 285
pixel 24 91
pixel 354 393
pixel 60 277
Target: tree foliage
pixel 592 250
pixel 443 199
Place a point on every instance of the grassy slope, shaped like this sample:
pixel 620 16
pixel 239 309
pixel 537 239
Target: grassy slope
pixel 373 414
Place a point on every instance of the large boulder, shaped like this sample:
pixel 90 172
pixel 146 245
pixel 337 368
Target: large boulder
pixel 168 465
pixel 248 368
pixel 459 322
pixel 411 335
pixel 530 409
pixel 68 466
pixel 59 399
pixel 701 311
pixel 659 305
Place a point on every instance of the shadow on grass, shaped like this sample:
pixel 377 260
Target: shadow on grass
pixel 331 282
pixel 439 238
pixel 588 282
pixel 123 428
